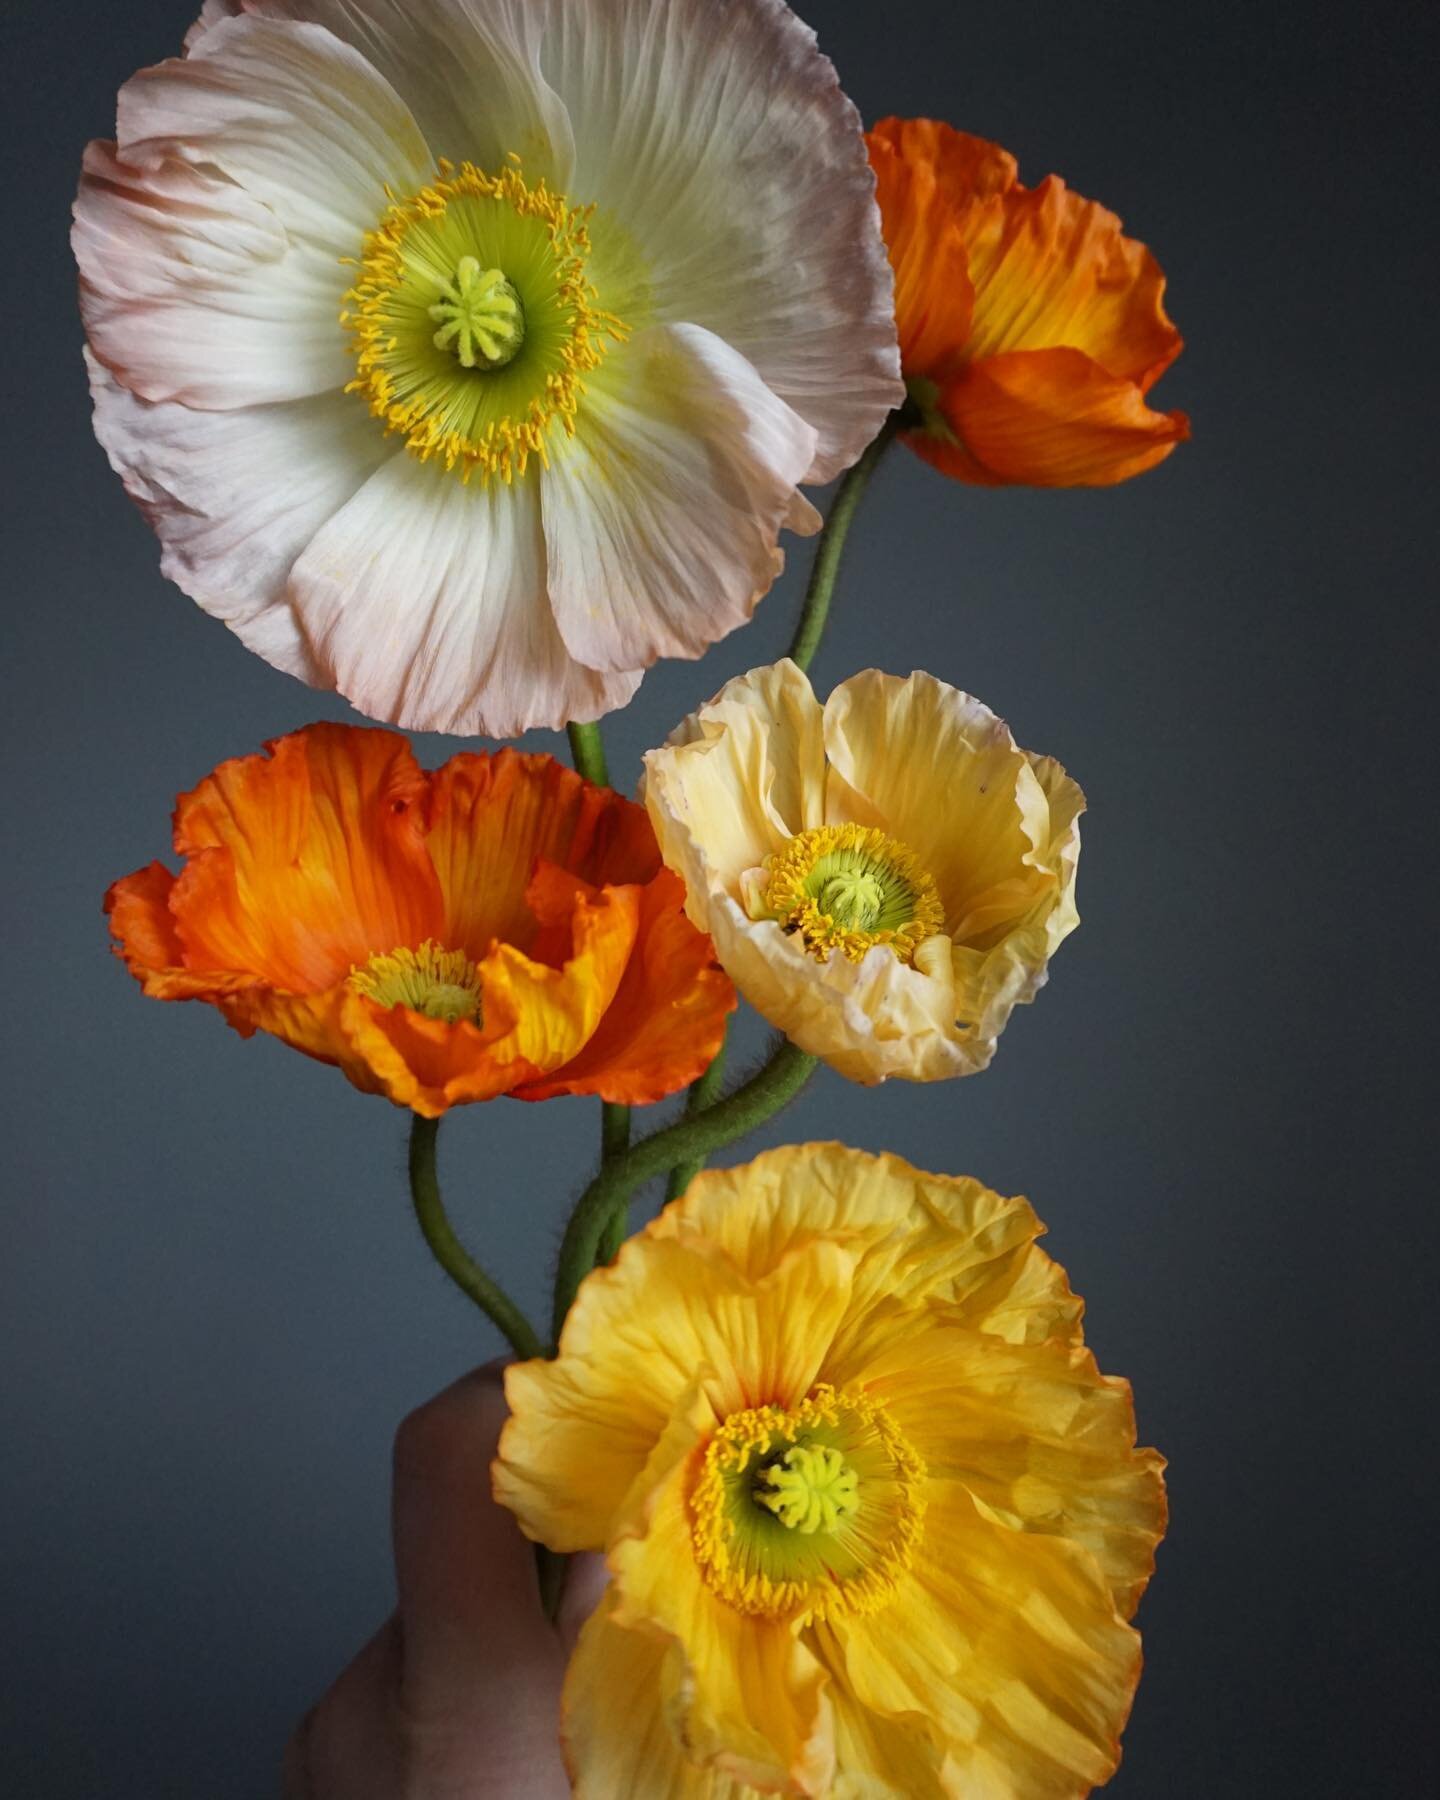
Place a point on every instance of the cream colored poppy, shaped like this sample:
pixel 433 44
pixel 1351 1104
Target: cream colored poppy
pixel 885 878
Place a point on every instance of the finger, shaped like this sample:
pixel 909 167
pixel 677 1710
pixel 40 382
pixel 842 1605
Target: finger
pixel 586 1578
pixel 348 1744
pixel 469 1595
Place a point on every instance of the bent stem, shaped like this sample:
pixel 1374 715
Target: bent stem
pixel 451 1254
pixel 816 608
pixel 696 1135
pixel 703 1092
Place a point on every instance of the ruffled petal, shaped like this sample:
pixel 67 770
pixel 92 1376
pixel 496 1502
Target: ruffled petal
pixel 306 861
pixel 639 1333
pixel 722 143
pixel 424 602
pixel 1008 1641
pixel 424 1063
pixel 743 1695
pixel 919 1238
pixel 191 290
pixel 1034 1431
pixel 1049 418
pixel 494 818
pixel 235 496
pixel 210 240
pixel 737 778
pixel 468 69
pixel 666 1022
pixel 664 511
pixel 923 234
pixel 613 1726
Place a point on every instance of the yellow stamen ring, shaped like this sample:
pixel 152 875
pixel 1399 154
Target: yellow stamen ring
pixel 500 267
pixel 442 984
pixel 849 887
pixel 810 1512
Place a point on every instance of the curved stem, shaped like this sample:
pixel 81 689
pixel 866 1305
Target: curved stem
pixel 587 752
pixel 703 1092
pixel 816 608
pixel 451 1254
pixel 614 1141
pixel 762 1096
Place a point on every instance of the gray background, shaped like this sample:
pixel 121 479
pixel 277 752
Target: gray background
pixel 215 1306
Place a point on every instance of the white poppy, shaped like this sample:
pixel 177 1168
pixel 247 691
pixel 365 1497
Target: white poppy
pixel 467 355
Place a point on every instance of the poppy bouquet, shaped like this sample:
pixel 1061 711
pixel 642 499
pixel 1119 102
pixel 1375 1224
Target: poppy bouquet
pixel 467 357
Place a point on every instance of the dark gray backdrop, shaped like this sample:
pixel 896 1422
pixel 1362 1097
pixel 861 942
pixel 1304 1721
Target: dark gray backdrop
pixel 215 1304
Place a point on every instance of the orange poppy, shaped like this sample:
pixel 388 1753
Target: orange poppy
pixel 1031 329
pixel 498 927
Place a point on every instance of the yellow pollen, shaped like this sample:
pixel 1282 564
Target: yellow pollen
pixel 473 321
pixel 808 1512
pixel 849 887
pixel 811 1488
pixel 442 984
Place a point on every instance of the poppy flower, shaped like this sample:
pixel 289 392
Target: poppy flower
pixel 467 356
pixel 876 1524
pixel 1031 329
pixel 498 927
pixel 885 877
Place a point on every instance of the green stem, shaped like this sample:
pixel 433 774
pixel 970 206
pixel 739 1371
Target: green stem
pixel 696 1135
pixel 587 752
pixel 451 1254
pixel 816 609
pixel 614 1141
pixel 703 1092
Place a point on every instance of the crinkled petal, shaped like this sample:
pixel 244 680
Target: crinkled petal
pixel 584 1425
pixel 666 1022
pixel 424 602
pixel 721 141
pixel 616 1737
pixel 426 1064
pixel 1049 418
pixel 920 1237
pixel 235 497
pixel 307 860
pixel 468 69
pixel 191 289
pixel 923 234
pixel 494 818
pixel 1009 1642
pixel 663 512
pixel 738 777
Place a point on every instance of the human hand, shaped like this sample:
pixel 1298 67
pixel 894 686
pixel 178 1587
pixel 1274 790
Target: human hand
pixel 457 1697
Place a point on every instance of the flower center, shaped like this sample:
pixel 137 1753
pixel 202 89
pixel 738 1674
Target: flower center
pixel 810 1511
pixel 848 887
pixel 811 1488
pixel 473 322
pixel 442 984
pixel 480 317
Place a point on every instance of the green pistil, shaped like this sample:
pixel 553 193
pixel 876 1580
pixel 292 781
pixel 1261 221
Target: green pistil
pixel 811 1488
pixel 858 892
pixel 480 317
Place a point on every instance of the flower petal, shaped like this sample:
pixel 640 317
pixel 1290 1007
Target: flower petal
pixel 1006 1640
pixel 743 1695
pixel 306 861
pixel 210 239
pixel 666 1022
pixel 1049 418
pixel 663 512
pixel 926 242
pixel 469 71
pixel 639 1333
pixel 723 144
pixel 424 603
pixel 235 496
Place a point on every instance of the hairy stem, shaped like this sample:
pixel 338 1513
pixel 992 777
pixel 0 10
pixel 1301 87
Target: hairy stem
pixel 703 1092
pixel 816 608
pixel 587 752
pixel 451 1254
pixel 696 1135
